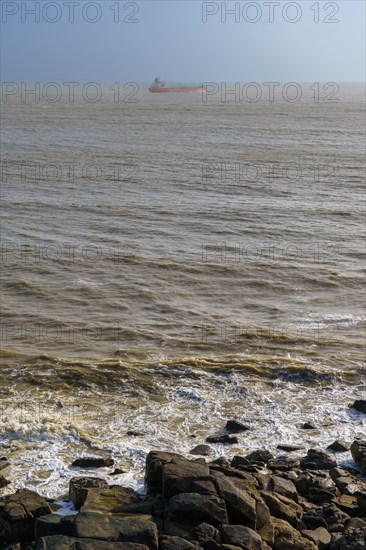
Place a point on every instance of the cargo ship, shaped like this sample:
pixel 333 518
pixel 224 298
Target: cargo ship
pixel 159 87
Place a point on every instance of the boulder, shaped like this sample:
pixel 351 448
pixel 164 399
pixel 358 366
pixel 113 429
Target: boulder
pixel 202 508
pixel 224 439
pixel 338 446
pixel 308 426
pixel 106 500
pixel 206 533
pixel 53 524
pixel 289 448
pixel 235 427
pixel 4 482
pixel 239 461
pixel 288 538
pixel 358 451
pixel 78 488
pixel 60 542
pixel 261 455
pixel 240 505
pixel 283 508
pixel 359 405
pixel 112 529
pixel 175 543
pixel 93 462
pixel 18 514
pixel 317 460
pixel 202 450
pixel 283 463
pixel 242 537
pixel 320 537
pixel 283 487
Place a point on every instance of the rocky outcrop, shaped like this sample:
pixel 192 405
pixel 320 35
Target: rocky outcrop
pixel 358 451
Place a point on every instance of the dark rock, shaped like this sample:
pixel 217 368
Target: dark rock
pixel 173 471
pixel 359 405
pixel 348 504
pixel 283 463
pixel 4 482
pixel 338 446
pixel 283 487
pixel 78 488
pixel 18 514
pixel 241 536
pixel 317 460
pixel 238 461
pixel 92 462
pixel 288 538
pixel 240 505
pixel 134 433
pixel 117 472
pixel 308 426
pixel 203 450
pixel 289 448
pixel 221 461
pixel 283 508
pixel 224 439
pixel 235 427
pixel 60 542
pixel 261 455
pixel 202 508
pixel 107 500
pixel 175 543
pixel 319 536
pixel 109 528
pixel 319 496
pixel 206 533
pixel 179 527
pixel 358 451
pixel 353 539
pixel 203 487
pixel 53 524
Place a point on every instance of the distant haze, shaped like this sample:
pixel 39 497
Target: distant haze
pixel 183 41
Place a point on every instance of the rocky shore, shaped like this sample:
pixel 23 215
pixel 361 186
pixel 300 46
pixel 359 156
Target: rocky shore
pixel 255 502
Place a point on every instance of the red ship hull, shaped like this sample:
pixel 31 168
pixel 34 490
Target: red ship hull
pixel 164 90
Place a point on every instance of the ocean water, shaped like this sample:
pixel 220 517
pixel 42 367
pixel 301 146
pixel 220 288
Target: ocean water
pixel 173 263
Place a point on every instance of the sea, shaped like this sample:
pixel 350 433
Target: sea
pixel 173 261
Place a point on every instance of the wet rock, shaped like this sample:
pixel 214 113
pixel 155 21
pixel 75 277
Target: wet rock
pixel 240 505
pixel 338 446
pixel 224 439
pixel 117 472
pixel 308 426
pixel 78 488
pixel 173 471
pixel 202 508
pixel 288 538
pixel 317 460
pixel 134 433
pixel 4 482
pixel 109 528
pixel 53 524
pixel 283 508
pixel 239 461
pixel 283 463
pixel 178 478
pixel 358 451
pixel 221 461
pixel 107 499
pixel 202 450
pixel 18 514
pixel 359 405
pixel 93 462
pixel 319 536
pixel 261 455
pixel 242 537
pixel 175 543
pixel 289 448
pixel 234 427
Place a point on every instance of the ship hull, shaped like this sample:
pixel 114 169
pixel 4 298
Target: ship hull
pixel 176 90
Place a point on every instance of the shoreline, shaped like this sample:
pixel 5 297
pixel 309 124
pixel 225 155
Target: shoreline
pixel 255 501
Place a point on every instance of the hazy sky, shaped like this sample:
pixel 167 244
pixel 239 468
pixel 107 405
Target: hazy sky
pixel 183 41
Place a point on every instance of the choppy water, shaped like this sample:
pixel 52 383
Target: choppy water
pixel 172 263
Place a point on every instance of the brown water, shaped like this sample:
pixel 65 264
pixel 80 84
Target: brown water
pixel 172 263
